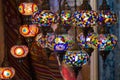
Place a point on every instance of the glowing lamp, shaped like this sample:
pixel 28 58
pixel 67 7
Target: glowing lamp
pixel 76 58
pixel 27 8
pixel 84 18
pixel 19 51
pixel 107 17
pixel 7 72
pixel 28 30
pixel 107 42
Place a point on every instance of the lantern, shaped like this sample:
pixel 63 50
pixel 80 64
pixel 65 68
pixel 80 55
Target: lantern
pixel 27 8
pixel 91 41
pixel 19 51
pixel 76 58
pixel 28 30
pixel 107 17
pixel 41 40
pixel 66 18
pixel 7 72
pixel 36 17
pixel 45 18
pixel 85 18
pixel 106 42
pixel 63 42
pixel 50 38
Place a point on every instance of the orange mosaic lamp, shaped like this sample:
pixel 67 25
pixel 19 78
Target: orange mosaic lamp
pixel 7 72
pixel 28 30
pixel 27 8
pixel 19 51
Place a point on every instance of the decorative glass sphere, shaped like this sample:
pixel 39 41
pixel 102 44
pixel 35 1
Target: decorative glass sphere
pixel 91 40
pixel 7 72
pixel 41 40
pixel 28 30
pixel 106 42
pixel 27 8
pixel 50 40
pixel 19 51
pixel 45 18
pixel 107 17
pixel 76 58
pixel 84 18
pixel 36 17
pixel 66 18
pixel 63 42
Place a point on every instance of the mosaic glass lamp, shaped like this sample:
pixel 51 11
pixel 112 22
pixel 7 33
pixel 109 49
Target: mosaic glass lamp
pixel 29 30
pixel 106 16
pixel 63 42
pixel 44 18
pixel 19 51
pixel 7 73
pixel 27 8
pixel 40 39
pixel 88 43
pixel 76 58
pixel 106 42
pixel 85 17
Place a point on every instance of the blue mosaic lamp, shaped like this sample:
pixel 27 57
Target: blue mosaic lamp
pixel 76 58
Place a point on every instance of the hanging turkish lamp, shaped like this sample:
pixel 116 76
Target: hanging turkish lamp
pixel 88 43
pixel 66 19
pixel 27 8
pixel 85 17
pixel 107 42
pixel 35 18
pixel 29 30
pixel 66 16
pixel 19 50
pixel 46 19
pixel 106 16
pixel 50 40
pixel 63 42
pixel 7 73
pixel 76 59
pixel 40 39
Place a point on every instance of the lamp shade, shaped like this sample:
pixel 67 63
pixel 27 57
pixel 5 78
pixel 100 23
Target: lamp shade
pixel 66 18
pixel 45 18
pixel 27 8
pixel 19 51
pixel 63 42
pixel 41 40
pixel 85 18
pixel 7 72
pixel 90 41
pixel 28 30
pixel 106 42
pixel 76 58
pixel 35 18
pixel 107 17
pixel 50 38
